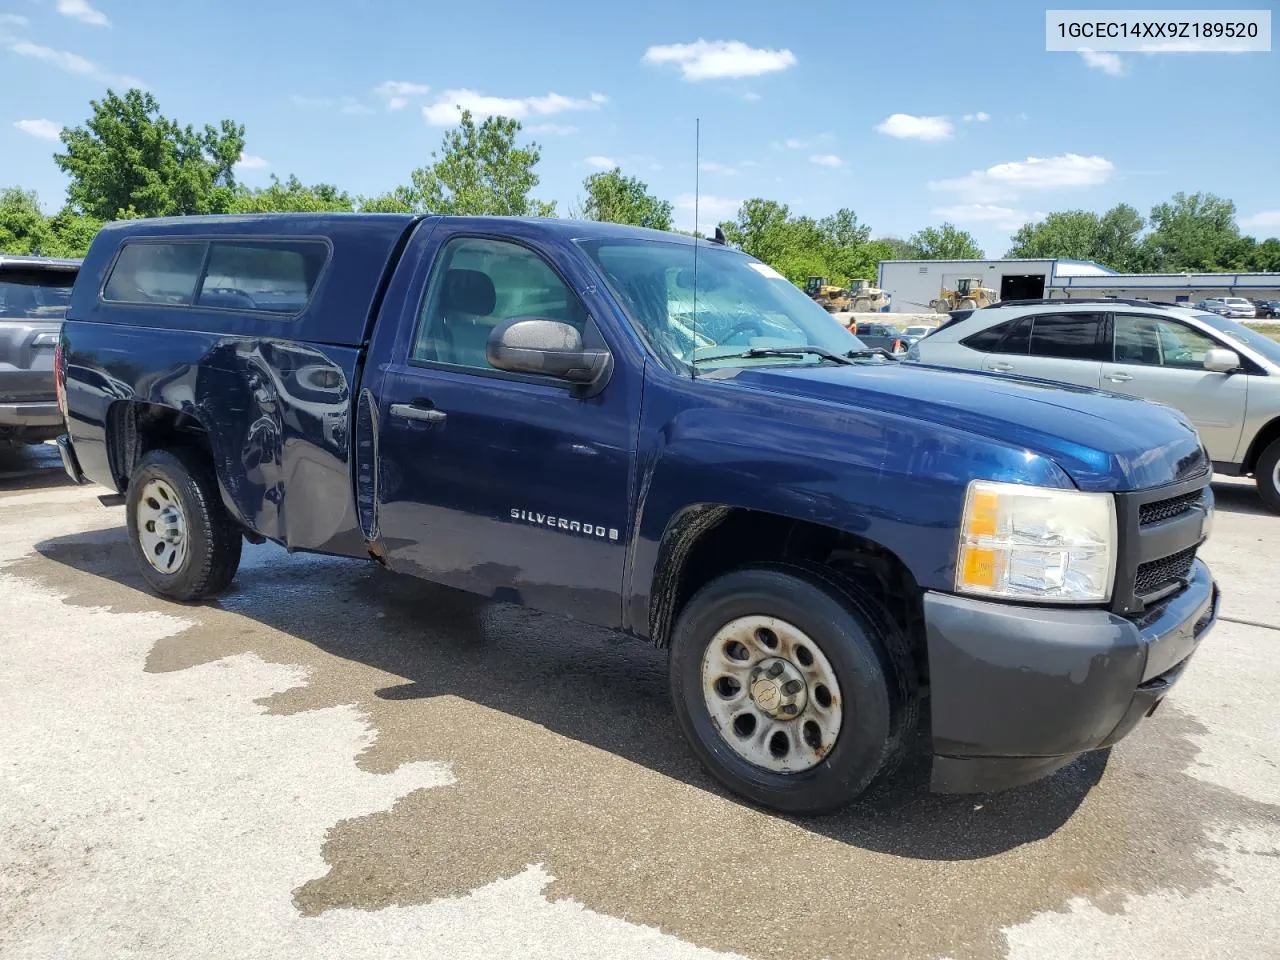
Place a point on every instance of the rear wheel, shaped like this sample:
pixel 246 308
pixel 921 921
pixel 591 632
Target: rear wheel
pixel 186 544
pixel 782 685
pixel 968 303
pixel 1267 476
pixel 862 306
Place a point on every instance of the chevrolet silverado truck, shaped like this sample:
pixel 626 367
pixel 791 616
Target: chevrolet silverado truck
pixel 663 436
pixel 33 297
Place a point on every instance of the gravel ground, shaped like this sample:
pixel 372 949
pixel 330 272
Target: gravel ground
pixel 335 762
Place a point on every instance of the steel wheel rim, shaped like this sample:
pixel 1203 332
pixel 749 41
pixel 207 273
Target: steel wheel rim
pixel 162 526
pixel 750 671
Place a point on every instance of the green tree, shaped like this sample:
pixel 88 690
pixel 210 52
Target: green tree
pixel 894 248
pixel 1120 246
pixel 947 242
pixel 24 229
pixel 759 229
pixel 127 157
pixel 1072 234
pixel 477 170
pixel 1193 232
pixel 292 196
pixel 836 247
pixel 615 198
pixel 1266 256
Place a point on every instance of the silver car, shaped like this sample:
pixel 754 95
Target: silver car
pixel 33 298
pixel 1223 376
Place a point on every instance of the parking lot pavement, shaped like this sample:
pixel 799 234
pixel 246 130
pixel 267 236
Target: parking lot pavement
pixel 331 761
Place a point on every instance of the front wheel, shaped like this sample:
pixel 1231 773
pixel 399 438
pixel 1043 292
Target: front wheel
pixel 186 545
pixel 782 684
pixel 1267 476
pixel 862 306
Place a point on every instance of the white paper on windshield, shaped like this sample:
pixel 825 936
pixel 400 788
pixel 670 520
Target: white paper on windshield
pixel 766 271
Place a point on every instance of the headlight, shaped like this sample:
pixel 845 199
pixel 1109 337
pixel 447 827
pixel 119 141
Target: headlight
pixel 1037 543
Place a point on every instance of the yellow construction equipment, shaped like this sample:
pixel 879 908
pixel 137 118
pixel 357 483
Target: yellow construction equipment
pixel 829 296
pixel 969 294
pixel 867 298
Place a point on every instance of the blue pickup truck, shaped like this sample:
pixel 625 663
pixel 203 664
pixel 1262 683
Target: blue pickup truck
pixel 662 436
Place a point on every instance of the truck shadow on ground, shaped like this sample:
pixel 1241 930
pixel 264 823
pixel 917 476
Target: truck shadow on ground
pixel 587 684
pixel 1239 498
pixel 29 468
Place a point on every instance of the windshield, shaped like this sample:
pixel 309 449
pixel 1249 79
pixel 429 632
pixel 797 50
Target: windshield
pixel 1259 342
pixel 34 296
pixel 742 304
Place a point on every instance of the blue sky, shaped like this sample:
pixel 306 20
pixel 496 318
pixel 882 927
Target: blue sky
pixel 817 104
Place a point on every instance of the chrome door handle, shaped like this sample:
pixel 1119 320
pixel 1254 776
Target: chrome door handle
pixel 1119 377
pixel 1002 367
pixel 410 412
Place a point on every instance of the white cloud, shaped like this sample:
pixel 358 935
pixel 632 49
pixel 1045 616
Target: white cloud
pixel 398 93
pixel 448 107
pixel 907 127
pixel 1004 217
pixel 1005 181
pixel 44 129
pixel 1109 63
pixel 14 19
pixel 826 160
pixel 70 62
pixel 711 210
pixel 751 96
pixel 249 162
pixel 600 162
pixel 1265 219
pixel 561 129
pixel 979 117
pixel 82 11
pixel 720 59
pixel 708 166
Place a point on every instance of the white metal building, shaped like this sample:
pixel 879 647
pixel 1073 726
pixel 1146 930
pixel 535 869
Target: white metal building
pixel 911 284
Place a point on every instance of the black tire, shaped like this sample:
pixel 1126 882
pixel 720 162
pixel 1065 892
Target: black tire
pixel 1264 475
pixel 879 697
pixel 213 538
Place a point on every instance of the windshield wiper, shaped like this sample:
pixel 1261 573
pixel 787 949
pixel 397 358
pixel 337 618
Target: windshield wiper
pixel 753 352
pixel 873 352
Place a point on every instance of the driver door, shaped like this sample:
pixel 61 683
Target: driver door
pixel 506 485
pixel 1158 358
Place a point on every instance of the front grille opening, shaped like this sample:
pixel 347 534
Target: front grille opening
pixel 1157 575
pixel 1161 510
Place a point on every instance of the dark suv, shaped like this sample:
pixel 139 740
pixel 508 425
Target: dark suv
pixel 34 292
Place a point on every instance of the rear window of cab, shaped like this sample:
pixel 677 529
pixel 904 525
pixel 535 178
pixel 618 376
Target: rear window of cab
pixel 257 276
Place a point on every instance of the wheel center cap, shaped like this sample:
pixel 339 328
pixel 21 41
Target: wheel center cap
pixel 778 689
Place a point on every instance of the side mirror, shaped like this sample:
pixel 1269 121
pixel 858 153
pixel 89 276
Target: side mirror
pixel 1221 361
pixel 548 348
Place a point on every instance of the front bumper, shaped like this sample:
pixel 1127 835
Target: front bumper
pixel 1019 691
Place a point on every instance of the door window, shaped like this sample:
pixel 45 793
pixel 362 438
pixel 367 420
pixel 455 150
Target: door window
pixel 1158 342
pixel 477 285
pixel 1012 336
pixel 1068 336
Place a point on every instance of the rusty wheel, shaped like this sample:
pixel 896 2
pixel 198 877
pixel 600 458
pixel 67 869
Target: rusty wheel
pixel 772 694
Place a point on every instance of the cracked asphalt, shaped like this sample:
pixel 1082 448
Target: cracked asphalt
pixel 331 761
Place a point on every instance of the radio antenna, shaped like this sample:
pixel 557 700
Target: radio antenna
pixel 697 170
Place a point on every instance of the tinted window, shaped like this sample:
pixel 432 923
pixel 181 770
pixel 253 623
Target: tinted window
pixel 1012 336
pixel 27 294
pixel 156 273
pixel 477 285
pixel 1156 341
pixel 274 277
pixel 1068 336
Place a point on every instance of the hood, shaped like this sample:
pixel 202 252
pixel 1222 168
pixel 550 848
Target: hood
pixel 1103 441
